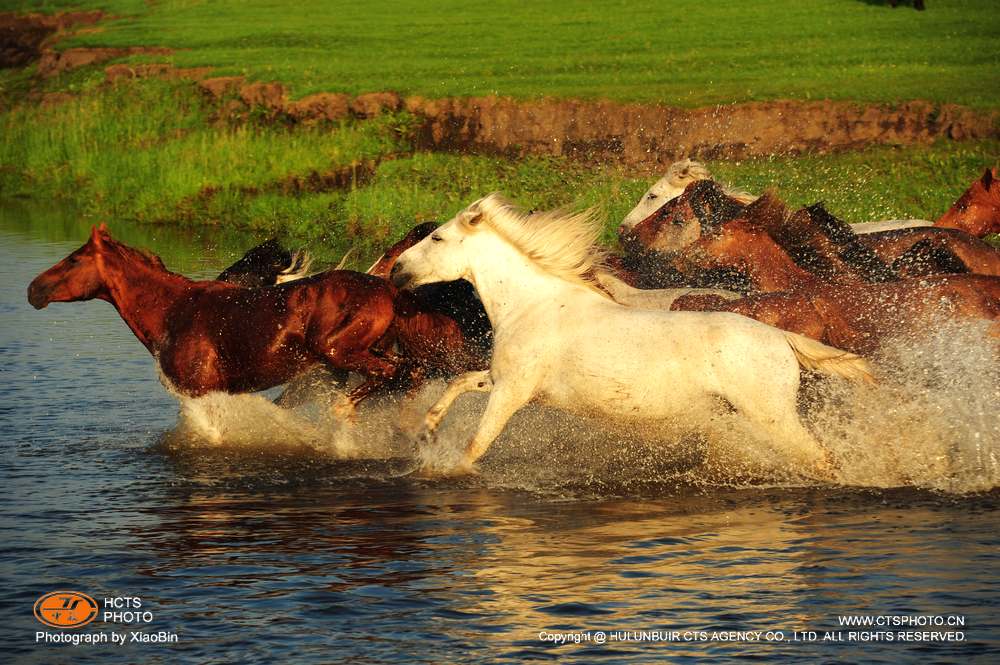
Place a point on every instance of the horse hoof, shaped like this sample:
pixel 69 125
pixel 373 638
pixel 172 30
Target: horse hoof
pixel 426 438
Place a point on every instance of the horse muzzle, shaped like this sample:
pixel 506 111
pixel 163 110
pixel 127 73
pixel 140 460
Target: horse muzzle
pixel 38 294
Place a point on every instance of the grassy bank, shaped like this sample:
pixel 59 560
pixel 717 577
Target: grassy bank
pixel 686 52
pixel 149 151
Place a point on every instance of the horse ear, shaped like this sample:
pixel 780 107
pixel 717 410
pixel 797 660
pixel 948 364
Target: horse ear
pixel 471 217
pixel 97 233
pixel 988 178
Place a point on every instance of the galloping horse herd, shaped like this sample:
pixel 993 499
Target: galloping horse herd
pixel 716 297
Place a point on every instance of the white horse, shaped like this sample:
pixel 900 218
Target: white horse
pixel 561 340
pixel 682 173
pixel 679 175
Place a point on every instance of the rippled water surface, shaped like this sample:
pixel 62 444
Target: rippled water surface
pixel 266 548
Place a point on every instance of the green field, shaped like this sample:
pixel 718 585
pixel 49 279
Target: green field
pixel 149 150
pixel 683 52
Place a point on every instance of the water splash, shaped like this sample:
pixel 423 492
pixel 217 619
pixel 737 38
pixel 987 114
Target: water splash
pixel 931 422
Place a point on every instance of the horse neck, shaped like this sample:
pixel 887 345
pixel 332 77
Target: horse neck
pixel 508 281
pixel 770 266
pixel 142 294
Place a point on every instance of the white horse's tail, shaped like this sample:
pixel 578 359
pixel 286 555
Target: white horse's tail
pixel 819 357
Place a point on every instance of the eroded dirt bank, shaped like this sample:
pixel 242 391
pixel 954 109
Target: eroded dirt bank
pixel 632 134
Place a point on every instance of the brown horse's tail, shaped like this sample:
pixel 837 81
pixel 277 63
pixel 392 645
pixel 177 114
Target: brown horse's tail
pixel 819 357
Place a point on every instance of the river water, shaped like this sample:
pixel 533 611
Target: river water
pixel 248 540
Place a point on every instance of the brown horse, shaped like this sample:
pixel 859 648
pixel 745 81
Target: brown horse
pixel 783 250
pixel 216 336
pixel 859 318
pixel 977 211
pixel 267 264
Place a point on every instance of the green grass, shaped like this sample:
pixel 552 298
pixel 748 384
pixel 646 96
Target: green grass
pixel 148 151
pixel 685 52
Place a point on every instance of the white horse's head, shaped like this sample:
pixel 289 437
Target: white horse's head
pixel 442 255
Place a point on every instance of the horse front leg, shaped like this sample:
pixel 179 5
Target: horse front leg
pixel 505 400
pixel 464 383
pixel 377 372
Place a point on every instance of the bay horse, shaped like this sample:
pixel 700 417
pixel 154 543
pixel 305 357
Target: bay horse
pixel 558 336
pixel 442 328
pixel 931 250
pixel 218 336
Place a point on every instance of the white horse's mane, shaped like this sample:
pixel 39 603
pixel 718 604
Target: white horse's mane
pixel 562 243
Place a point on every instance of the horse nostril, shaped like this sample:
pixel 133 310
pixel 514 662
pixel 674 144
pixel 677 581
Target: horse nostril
pixel 395 270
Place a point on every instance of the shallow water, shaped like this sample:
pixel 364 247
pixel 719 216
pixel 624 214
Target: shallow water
pixel 263 546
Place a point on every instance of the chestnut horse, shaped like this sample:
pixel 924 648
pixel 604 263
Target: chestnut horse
pixel 217 336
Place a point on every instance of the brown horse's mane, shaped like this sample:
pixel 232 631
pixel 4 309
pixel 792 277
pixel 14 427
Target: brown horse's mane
pixel 797 232
pixel 767 211
pixel 134 254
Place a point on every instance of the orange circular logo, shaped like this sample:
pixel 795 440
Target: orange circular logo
pixel 66 609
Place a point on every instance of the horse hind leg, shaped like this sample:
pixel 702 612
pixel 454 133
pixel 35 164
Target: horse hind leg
pixel 778 420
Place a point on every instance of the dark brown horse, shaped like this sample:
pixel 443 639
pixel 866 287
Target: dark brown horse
pixel 267 264
pixel 216 336
pixel 442 329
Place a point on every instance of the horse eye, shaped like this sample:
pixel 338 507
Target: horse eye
pixel 651 197
pixel 677 221
pixel 436 238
